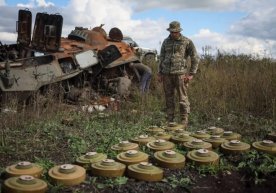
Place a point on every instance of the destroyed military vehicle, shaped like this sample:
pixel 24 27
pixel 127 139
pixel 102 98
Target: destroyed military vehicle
pixel 42 58
pixel 146 55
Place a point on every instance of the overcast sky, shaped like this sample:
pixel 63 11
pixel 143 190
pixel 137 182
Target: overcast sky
pixel 233 26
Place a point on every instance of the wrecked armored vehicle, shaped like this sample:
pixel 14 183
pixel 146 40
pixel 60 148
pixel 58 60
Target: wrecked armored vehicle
pixel 147 55
pixel 43 58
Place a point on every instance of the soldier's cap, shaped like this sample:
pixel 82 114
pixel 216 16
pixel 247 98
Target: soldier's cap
pixel 174 27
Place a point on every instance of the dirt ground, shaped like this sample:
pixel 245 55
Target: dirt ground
pixel 234 182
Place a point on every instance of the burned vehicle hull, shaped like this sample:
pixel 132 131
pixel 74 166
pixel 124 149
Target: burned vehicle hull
pixel 46 58
pixel 146 55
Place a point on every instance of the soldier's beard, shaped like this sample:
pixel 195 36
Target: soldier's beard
pixel 175 36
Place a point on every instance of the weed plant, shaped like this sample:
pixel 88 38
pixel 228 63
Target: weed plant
pixel 235 85
pixel 258 166
pixel 234 92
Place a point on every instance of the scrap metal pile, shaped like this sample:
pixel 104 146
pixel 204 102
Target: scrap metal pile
pixel 41 58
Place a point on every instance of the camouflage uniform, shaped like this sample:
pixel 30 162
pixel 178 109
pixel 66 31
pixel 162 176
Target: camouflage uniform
pixel 173 64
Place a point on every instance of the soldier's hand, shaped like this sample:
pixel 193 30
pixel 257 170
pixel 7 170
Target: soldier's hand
pixel 187 78
pixel 160 77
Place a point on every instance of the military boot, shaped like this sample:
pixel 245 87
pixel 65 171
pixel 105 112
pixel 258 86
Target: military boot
pixel 184 121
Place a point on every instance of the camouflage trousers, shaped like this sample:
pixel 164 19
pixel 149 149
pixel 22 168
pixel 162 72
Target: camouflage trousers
pixel 172 82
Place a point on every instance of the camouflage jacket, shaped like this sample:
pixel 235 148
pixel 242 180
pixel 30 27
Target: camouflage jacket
pixel 174 55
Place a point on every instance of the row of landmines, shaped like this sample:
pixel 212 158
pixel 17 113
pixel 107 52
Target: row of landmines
pixel 24 176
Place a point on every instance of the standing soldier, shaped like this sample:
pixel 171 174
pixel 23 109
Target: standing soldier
pixel 174 72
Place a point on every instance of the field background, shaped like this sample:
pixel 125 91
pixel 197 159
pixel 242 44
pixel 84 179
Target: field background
pixel 236 93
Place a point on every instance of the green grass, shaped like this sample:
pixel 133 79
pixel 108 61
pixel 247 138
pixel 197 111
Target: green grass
pixel 235 93
pixel 258 166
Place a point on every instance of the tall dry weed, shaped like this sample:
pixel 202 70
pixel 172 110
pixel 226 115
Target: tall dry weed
pixel 235 84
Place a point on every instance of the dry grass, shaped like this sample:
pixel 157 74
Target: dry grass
pixel 235 84
pixel 236 89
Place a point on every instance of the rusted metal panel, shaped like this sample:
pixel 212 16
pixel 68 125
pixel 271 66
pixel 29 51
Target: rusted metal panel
pixel 38 32
pixel 97 41
pixel 47 32
pixel 24 27
pixel 53 30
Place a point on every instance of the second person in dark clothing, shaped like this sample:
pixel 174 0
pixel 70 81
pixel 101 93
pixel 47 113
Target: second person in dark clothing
pixel 144 74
